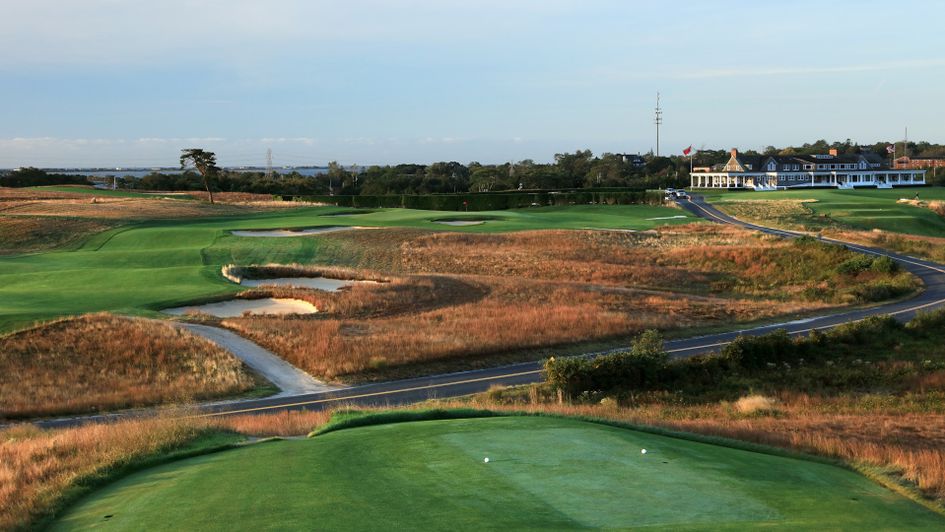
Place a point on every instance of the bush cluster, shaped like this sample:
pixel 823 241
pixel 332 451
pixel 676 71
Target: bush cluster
pixel 646 367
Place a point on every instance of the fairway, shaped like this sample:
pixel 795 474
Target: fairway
pixel 861 209
pixel 141 268
pixel 543 473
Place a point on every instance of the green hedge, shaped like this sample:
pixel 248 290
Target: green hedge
pixel 486 201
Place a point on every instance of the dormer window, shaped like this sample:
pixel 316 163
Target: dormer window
pixel 771 167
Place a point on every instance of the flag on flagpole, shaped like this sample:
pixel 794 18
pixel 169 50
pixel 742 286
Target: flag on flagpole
pixel 891 149
pixel 688 150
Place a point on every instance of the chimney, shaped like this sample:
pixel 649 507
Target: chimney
pixel 734 152
pixel 833 151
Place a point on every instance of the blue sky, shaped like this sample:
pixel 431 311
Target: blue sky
pixel 130 83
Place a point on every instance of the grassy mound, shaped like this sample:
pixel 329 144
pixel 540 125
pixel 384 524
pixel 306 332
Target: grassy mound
pixel 543 473
pixel 101 362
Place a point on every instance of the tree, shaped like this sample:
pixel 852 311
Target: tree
pixel 204 161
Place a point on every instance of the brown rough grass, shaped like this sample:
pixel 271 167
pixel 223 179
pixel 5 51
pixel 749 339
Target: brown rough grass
pixel 118 208
pixel 101 362
pixel 458 296
pixel 453 317
pixel 929 247
pixel 27 234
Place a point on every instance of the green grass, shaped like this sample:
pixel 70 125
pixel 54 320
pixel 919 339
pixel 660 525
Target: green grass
pixel 860 209
pixel 92 191
pixel 141 268
pixel 544 473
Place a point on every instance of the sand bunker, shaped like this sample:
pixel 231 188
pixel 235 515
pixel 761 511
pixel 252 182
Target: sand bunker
pixel 669 217
pixel 236 307
pixel 297 232
pixel 459 222
pixel 318 283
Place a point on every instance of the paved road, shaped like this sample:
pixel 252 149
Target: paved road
pixel 465 383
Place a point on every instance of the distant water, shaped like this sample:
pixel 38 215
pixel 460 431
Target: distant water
pixel 141 172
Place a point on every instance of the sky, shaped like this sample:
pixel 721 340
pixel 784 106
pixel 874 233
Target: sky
pixel 112 83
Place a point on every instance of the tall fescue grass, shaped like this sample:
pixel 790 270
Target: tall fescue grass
pixel 120 208
pixel 455 296
pixel 28 234
pixel 102 362
pixel 920 246
pixel 438 322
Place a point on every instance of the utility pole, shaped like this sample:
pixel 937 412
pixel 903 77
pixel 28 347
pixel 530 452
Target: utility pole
pixel 658 120
pixel 269 163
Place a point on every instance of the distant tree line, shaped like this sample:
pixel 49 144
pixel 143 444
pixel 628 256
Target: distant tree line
pixel 34 177
pixel 578 170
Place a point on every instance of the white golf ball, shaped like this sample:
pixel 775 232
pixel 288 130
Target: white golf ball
pixel 642 451
pixel 486 460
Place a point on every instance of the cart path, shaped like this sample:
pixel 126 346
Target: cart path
pixel 288 378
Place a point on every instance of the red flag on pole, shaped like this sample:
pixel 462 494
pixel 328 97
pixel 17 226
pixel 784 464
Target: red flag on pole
pixel 688 150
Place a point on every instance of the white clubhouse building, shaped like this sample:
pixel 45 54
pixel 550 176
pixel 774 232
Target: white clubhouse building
pixel 779 172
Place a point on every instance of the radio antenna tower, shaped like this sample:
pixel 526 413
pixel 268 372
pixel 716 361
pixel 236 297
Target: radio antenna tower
pixel 658 120
pixel 269 163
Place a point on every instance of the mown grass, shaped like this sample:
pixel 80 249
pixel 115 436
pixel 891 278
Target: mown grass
pixel 102 362
pixel 863 210
pixel 42 471
pixel 870 393
pixel 543 473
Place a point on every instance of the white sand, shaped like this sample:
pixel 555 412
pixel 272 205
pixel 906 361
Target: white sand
pixel 282 233
pixel 236 307
pixel 459 222
pixel 318 283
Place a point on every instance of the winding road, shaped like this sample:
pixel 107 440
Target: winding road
pixel 464 383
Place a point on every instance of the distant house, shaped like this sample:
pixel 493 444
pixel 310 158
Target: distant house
pixel 635 159
pixel 905 162
pixel 831 170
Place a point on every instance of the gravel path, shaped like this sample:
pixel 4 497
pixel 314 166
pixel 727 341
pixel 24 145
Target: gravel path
pixel 288 378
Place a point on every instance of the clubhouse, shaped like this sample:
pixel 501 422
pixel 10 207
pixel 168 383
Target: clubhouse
pixel 777 172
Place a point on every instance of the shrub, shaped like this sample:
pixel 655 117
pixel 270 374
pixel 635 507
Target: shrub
pixel 755 352
pixel 928 322
pixel 855 265
pixel 882 290
pixel 884 264
pixel 872 329
pixel 638 368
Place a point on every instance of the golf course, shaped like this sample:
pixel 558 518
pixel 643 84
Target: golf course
pixel 864 209
pixel 142 267
pixel 541 473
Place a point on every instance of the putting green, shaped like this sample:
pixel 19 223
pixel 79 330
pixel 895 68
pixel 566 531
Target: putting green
pixel 141 268
pixel 543 473
pixel 862 208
